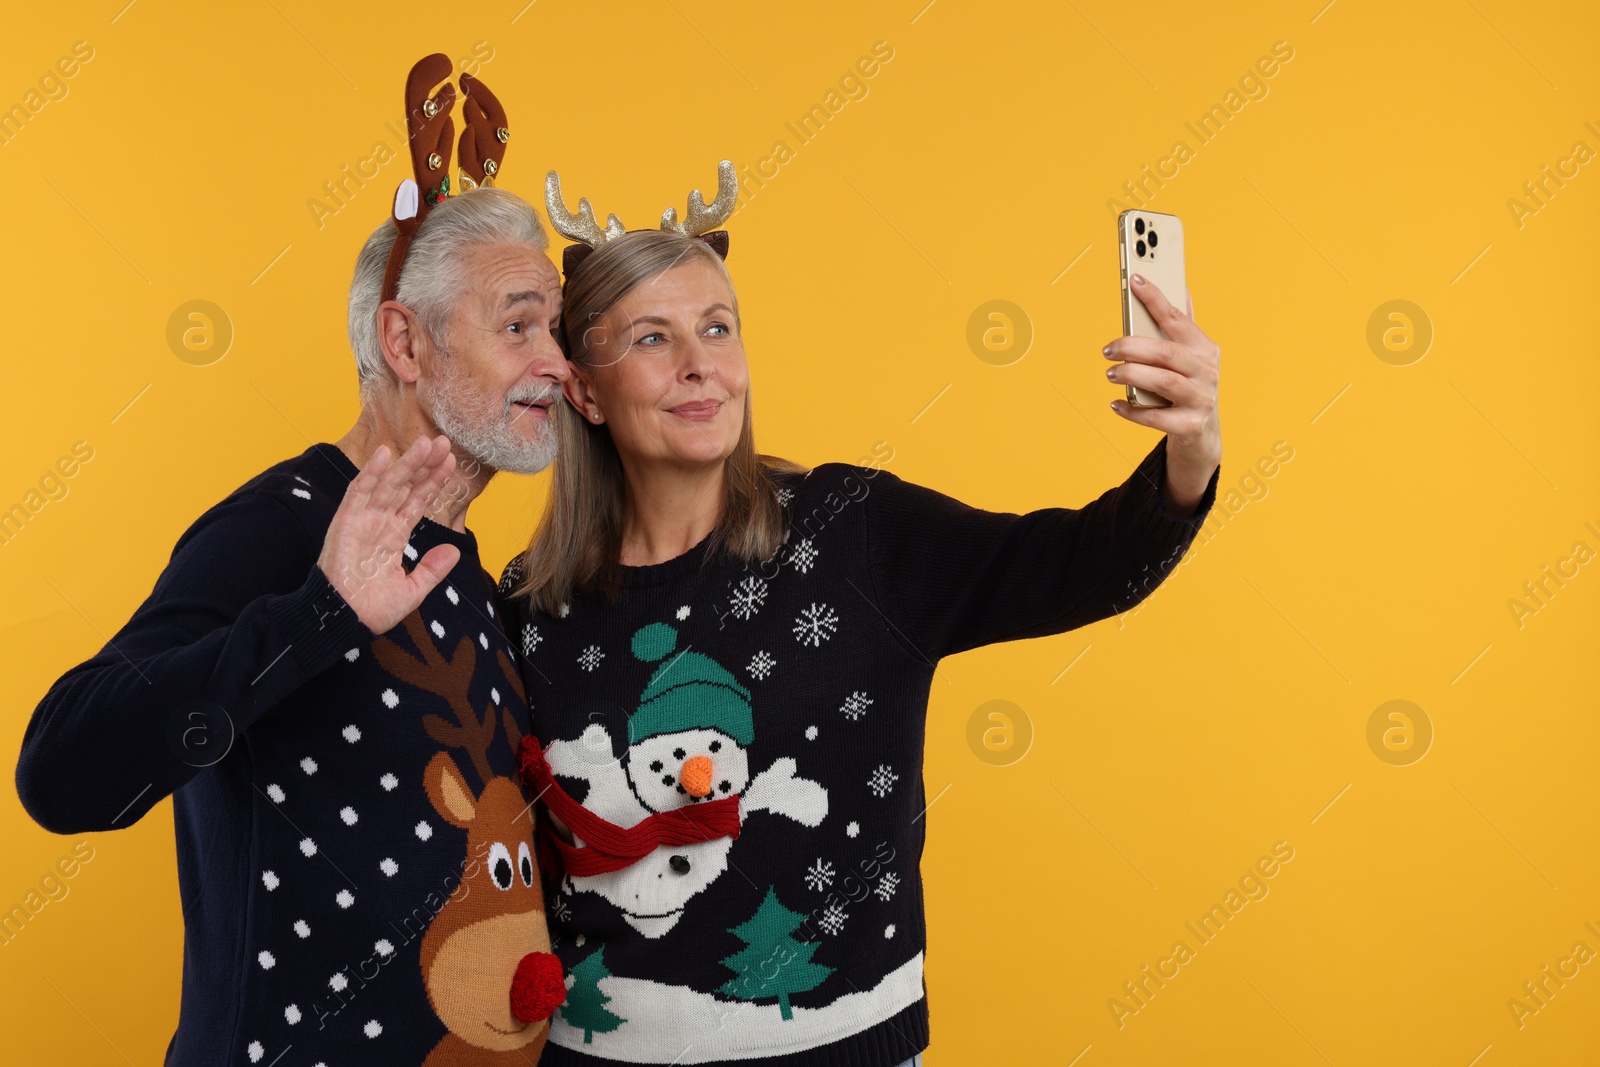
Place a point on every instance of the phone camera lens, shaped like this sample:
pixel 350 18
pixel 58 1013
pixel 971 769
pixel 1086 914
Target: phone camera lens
pixel 1138 225
pixel 1139 248
pixel 1152 238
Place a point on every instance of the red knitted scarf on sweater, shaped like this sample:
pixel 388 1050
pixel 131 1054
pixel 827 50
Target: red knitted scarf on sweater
pixel 607 846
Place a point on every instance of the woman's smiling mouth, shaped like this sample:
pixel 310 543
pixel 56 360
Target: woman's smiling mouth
pixel 698 410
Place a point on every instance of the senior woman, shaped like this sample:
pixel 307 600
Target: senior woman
pixel 728 660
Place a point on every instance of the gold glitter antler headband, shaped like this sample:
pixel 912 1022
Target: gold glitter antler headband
pixel 700 222
pixel 483 147
pixel 701 218
pixel 579 227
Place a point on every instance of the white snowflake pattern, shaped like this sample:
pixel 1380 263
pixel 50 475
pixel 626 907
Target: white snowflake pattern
pixel 816 624
pixel 852 829
pixel 785 495
pixel 683 613
pixel 887 885
pixel 748 597
pixel 882 780
pixel 855 705
pixel 344 898
pixel 561 910
pixel 590 657
pixel 761 665
pixel 255 1050
pixel 275 791
pixel 424 831
pixel 819 875
pixel 833 917
pixel 266 960
pixel 530 638
pixel 308 765
pixel 391 699
pixel 888 931
pixel 450 591
pixel 811 733
pixel 803 555
pixel 270 880
pixel 348 815
pixel 382 947
pixel 388 782
pixel 389 867
pixel 373 1028
pixel 352 733
pixel 437 627
pixel 302 929
pixel 291 1014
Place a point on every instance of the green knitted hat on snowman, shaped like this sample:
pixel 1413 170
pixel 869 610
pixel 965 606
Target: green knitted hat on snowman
pixel 688 691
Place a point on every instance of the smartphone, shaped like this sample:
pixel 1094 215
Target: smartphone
pixel 1151 246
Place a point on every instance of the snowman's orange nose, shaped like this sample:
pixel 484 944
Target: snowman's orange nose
pixel 696 775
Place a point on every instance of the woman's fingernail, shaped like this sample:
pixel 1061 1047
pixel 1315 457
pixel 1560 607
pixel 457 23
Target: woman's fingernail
pixel 1106 351
pixel 1138 279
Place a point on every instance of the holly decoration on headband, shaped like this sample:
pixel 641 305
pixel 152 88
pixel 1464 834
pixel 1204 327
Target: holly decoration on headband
pixel 441 192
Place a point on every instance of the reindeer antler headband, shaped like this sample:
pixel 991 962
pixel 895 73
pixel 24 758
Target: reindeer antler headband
pixel 483 148
pixel 701 221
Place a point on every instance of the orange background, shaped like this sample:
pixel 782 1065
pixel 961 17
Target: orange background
pixel 1170 749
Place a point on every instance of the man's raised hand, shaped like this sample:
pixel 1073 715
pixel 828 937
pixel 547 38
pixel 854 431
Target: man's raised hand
pixel 364 546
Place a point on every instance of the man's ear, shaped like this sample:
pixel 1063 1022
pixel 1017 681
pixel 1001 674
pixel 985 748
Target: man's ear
pixel 398 335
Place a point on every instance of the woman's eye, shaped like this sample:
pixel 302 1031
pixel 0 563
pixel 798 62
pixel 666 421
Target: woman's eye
pixel 650 339
pixel 720 329
pixel 515 327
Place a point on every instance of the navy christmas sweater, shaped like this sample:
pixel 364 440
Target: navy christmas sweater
pixel 354 853
pixel 737 752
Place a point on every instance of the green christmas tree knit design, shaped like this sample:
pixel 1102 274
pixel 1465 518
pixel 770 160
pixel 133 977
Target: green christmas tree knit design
pixel 585 1007
pixel 773 964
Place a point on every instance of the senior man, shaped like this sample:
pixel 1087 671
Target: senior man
pixel 356 880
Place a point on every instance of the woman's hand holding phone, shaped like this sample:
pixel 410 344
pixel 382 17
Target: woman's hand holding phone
pixel 1183 367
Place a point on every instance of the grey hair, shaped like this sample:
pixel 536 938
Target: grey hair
pixel 432 281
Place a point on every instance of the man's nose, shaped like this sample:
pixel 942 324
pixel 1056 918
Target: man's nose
pixel 551 362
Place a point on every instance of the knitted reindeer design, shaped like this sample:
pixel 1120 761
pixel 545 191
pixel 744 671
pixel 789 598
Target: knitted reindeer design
pixel 486 959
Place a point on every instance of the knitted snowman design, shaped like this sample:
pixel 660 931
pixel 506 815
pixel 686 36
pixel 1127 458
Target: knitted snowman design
pixel 687 744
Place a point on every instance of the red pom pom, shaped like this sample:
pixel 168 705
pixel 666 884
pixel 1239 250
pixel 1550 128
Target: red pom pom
pixel 538 988
pixel 531 765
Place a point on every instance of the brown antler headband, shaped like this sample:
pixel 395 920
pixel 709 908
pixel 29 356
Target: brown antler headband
pixel 582 227
pixel 483 148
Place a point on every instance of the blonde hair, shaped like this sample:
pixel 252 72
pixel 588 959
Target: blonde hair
pixel 579 539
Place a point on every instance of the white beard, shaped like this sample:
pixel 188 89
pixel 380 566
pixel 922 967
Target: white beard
pixel 483 426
